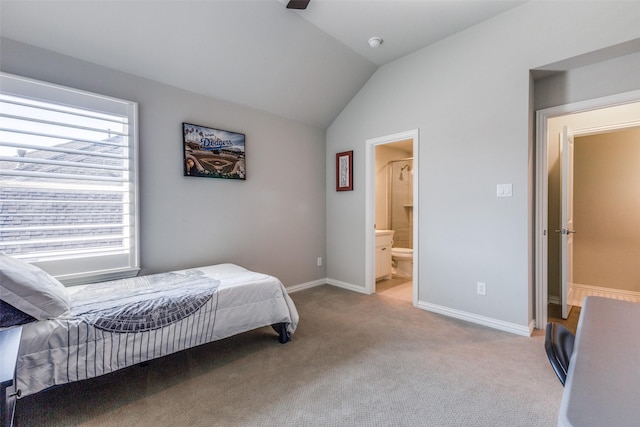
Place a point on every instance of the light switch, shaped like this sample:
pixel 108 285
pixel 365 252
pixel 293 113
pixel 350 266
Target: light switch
pixel 504 190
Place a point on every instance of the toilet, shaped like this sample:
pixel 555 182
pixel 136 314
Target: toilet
pixel 403 261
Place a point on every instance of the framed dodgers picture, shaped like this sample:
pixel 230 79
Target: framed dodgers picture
pixel 213 153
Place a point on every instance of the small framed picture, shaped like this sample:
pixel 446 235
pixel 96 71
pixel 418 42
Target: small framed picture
pixel 213 153
pixel 344 171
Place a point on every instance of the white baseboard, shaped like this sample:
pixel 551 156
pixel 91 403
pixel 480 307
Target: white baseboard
pixel 554 300
pixel 326 281
pixel 348 286
pixel 579 292
pixel 307 285
pixel 513 328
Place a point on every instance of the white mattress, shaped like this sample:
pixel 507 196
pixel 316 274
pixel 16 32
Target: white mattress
pixel 70 348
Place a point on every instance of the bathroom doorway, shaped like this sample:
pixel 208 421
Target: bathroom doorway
pixel 391 216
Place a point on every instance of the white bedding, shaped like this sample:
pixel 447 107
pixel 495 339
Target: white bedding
pixel 93 339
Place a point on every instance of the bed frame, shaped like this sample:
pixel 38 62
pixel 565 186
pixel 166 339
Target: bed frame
pixel 86 343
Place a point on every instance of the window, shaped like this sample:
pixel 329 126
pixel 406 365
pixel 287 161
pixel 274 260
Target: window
pixel 68 199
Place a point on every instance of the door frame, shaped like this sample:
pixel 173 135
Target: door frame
pixel 567 150
pixel 541 231
pixel 369 222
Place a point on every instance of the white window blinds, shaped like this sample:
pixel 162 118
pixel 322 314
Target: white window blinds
pixel 68 180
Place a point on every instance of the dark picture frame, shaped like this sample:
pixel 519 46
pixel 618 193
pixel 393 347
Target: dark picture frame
pixel 344 171
pixel 213 153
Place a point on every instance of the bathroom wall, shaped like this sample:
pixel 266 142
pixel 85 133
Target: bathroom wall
pixel 385 154
pixel 401 202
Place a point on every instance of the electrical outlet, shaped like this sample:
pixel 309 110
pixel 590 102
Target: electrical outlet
pixel 319 261
pixel 481 288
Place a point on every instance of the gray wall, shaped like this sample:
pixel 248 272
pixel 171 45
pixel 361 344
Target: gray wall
pixel 596 80
pixel 469 95
pixel 273 222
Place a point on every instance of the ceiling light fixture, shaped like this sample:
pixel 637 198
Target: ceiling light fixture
pixel 375 42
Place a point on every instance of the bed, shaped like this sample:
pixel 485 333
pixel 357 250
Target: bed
pixel 72 334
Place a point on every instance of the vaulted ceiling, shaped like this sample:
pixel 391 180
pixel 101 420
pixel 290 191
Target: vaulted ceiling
pixel 302 65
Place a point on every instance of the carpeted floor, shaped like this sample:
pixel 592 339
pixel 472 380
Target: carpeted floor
pixel 356 360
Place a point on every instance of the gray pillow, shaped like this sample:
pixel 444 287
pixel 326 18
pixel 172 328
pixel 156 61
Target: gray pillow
pixel 31 290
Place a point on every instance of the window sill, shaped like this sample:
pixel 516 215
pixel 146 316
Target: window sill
pixel 97 276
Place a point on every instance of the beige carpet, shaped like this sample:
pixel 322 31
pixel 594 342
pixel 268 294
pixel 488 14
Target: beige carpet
pixel 356 360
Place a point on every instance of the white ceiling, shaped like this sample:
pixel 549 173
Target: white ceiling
pixel 301 65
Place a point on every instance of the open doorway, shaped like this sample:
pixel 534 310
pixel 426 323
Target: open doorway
pixel 391 220
pixel 394 220
pixel 607 206
pixel 603 116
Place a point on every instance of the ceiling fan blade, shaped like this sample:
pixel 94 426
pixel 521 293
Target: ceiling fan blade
pixel 297 4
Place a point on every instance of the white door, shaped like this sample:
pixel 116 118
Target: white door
pixel 566 217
